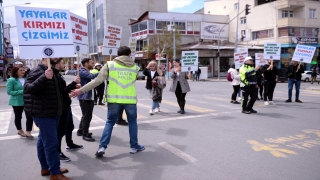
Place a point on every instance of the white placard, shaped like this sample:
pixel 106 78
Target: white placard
pixel 239 58
pixel 303 53
pixel 44 33
pixel 189 61
pixel 211 31
pixel 272 51
pixel 80 34
pixel 112 39
pixel 260 59
pixel 242 50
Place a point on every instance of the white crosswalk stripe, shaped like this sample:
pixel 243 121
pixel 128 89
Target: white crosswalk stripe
pixel 5 118
pixel 76 111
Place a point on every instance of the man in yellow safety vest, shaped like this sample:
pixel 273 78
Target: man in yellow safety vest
pixel 121 74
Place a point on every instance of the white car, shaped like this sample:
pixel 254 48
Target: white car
pixel 306 76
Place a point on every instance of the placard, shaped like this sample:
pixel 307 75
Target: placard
pixel 303 53
pixel 44 33
pixel 272 51
pixel 189 61
pixel 111 40
pixel 260 61
pixel 80 34
pixel 212 31
pixel 239 58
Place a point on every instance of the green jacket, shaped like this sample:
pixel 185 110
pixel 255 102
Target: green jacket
pixel 15 90
pixel 247 75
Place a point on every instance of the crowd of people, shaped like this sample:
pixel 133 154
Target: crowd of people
pixel 45 97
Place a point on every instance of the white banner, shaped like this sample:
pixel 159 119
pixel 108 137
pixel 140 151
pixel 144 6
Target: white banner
pixel 211 31
pixel 260 59
pixel 239 59
pixel 112 39
pixel 272 51
pixel 303 53
pixel 44 33
pixel 80 34
pixel 189 61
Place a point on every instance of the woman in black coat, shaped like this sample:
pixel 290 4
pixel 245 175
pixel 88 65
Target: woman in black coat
pixel 151 72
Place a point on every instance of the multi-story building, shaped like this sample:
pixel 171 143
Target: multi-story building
pixel 150 24
pixel 289 22
pixel 100 12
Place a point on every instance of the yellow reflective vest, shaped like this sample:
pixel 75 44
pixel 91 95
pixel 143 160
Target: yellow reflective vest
pixel 121 87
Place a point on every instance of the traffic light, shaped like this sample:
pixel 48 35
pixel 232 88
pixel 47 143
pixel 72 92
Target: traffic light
pixel 247 9
pixel 218 54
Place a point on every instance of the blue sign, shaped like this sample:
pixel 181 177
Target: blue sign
pixel 9 52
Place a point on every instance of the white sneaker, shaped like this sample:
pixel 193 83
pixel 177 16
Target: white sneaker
pixel 157 110
pixel 266 103
pixel 239 98
pixel 272 103
pixel 151 112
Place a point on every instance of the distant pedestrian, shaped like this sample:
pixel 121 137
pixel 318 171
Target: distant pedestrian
pixel 198 73
pixel 235 84
pixel 121 74
pixel 15 90
pixel 294 72
pixel 44 102
pixel 98 91
pixel 314 76
pixel 66 125
pixel 260 81
pixel 180 85
pixel 152 71
pixel 248 85
pixel 270 75
pixel 86 100
pixel 194 75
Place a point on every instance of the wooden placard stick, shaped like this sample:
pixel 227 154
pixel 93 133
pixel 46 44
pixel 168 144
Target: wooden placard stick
pixel 298 66
pixel 48 63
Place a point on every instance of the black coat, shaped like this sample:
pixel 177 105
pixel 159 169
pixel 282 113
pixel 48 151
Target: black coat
pixel 66 90
pixel 292 72
pixel 147 73
pixel 42 96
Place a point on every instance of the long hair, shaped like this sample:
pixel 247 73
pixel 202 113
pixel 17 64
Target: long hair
pixel 159 71
pixel 14 72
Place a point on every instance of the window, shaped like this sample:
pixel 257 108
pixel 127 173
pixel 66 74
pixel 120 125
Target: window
pixel 162 25
pixel 284 50
pixel 236 6
pixel 243 20
pixel 196 26
pixel 312 13
pixel 262 34
pixel 286 13
pixel 143 25
pixel 190 26
pixel 180 26
pixel 134 28
pixel 151 24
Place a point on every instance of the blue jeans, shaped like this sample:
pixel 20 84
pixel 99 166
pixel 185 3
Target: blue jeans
pixel 290 87
pixel 47 145
pixel 113 113
pixel 154 104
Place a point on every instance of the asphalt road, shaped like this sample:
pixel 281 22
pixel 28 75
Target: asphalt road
pixel 213 140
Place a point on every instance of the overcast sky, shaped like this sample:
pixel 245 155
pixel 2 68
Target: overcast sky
pixel 79 7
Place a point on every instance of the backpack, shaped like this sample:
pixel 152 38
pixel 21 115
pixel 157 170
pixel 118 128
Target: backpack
pixel 229 77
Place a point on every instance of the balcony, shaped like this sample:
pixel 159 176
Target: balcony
pixel 295 22
pixel 289 4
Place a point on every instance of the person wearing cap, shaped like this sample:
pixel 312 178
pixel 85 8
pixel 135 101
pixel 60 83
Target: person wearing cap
pixel 99 90
pixel 18 64
pixel 248 84
pixel 294 72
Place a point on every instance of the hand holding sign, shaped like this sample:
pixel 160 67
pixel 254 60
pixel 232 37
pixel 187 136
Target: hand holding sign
pixel 48 73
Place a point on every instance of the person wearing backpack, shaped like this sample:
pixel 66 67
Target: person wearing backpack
pixel 152 71
pixel 234 78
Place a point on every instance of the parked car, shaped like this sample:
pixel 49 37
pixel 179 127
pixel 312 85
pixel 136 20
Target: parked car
pixel 71 72
pixel 306 76
pixel 141 76
pixel 282 74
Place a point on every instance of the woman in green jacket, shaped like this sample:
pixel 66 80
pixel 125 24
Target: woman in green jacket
pixel 15 90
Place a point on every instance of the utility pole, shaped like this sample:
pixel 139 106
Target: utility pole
pixel 174 39
pixel 236 43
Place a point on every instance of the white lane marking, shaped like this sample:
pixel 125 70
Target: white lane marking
pixel 141 122
pixel 5 118
pixel 177 152
pixel 76 111
pixel 5 110
pixel 148 107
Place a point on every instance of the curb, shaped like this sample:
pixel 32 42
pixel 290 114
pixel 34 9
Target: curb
pixel 312 89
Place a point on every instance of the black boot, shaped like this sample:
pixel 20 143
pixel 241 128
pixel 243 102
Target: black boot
pixel 182 103
pixel 179 107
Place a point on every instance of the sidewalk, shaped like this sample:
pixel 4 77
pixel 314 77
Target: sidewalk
pixel 2 83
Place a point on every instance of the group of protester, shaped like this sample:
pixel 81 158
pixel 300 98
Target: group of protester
pixel 46 99
pixel 249 79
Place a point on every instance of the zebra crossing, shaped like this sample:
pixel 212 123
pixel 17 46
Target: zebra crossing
pixel 202 105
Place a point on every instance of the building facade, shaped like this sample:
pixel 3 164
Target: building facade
pixel 101 12
pixel 150 25
pixel 289 22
